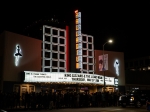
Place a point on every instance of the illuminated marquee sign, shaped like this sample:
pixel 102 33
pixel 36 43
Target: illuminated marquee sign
pixel 67 77
pixel 17 55
pixel 116 82
pixel 78 40
pixel 116 65
pixel 109 80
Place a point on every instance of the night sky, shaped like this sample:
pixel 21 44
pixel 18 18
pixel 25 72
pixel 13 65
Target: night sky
pixel 126 22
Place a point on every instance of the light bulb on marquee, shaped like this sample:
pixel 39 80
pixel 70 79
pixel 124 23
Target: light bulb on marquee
pixel 17 55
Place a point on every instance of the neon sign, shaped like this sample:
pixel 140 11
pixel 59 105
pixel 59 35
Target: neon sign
pixel 17 55
pixel 116 65
pixel 78 40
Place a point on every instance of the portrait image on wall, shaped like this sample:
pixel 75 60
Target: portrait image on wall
pixel 103 62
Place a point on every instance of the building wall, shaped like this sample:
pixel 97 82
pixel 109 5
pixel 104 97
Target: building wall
pixel 111 72
pixel 30 60
pixel 72 49
pixel 1 58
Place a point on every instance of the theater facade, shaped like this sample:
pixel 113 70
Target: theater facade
pixel 64 60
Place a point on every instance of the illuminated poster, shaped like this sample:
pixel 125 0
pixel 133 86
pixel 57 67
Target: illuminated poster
pixel 116 65
pixel 17 55
pixel 103 63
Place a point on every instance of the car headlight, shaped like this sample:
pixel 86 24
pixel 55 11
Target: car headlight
pixel 132 98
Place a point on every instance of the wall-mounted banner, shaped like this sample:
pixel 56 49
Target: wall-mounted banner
pixel 103 61
pixel 17 55
pixel 67 77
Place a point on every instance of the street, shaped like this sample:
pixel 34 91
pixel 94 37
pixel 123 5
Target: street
pixel 107 109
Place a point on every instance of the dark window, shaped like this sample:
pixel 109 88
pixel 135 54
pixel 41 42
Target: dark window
pixel 85 66
pixel 89 39
pixel 84 38
pixel 90 67
pixel 89 46
pixel 61 70
pixel 62 33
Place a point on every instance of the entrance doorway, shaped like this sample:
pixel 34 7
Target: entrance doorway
pixel 23 88
pixel 108 89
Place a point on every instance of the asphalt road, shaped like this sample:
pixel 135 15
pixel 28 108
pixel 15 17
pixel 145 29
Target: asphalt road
pixel 107 109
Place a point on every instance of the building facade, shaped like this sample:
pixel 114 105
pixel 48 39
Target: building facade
pixel 64 60
pixel 18 53
pixel 23 69
pixel 113 65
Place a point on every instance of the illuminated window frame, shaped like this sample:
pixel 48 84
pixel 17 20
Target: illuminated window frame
pixel 51 59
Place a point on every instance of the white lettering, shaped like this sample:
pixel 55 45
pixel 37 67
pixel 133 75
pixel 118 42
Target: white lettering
pixel 67 77
pixel 79 52
pixel 79 20
pixel 78 39
pixel 78 14
pixel 78 27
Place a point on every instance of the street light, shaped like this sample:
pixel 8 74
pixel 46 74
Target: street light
pixel 109 41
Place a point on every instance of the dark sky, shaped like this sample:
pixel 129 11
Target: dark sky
pixel 126 22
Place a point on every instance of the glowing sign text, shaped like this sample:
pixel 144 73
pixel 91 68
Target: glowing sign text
pixel 67 77
pixel 78 40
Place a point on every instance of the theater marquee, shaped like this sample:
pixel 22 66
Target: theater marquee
pixel 66 77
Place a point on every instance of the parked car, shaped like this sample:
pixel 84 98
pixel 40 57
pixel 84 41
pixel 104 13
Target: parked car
pixel 135 98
